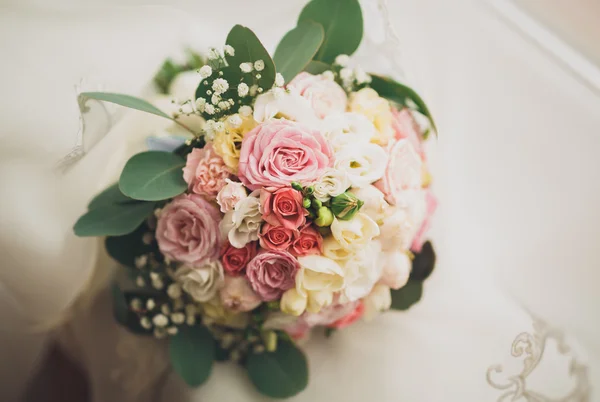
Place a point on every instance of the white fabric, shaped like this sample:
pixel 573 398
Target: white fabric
pixel 514 169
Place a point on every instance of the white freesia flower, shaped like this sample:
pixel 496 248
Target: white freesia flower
pixel 333 182
pixel 355 233
pixel 334 250
pixel 342 129
pixel 241 225
pixel 202 283
pixel 396 267
pixel 290 105
pixel 362 272
pixel 374 205
pixel 364 163
pixel 379 300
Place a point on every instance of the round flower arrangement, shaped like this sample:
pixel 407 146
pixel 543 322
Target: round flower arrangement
pixel 303 203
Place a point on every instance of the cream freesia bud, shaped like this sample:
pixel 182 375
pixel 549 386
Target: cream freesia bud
pixel 318 300
pixel 324 217
pixel 293 303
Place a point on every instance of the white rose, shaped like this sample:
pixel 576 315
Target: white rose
pixel 396 267
pixel 374 202
pixel 364 163
pixel 355 233
pixel 404 220
pixel 290 105
pixel 342 129
pixel 230 195
pixel 362 272
pixel 333 182
pixel 241 225
pixel 202 283
pixel 380 299
pixel 316 282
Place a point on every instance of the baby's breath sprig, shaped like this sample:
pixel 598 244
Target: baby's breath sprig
pixel 351 79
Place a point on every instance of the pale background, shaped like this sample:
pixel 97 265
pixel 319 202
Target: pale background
pixel 516 162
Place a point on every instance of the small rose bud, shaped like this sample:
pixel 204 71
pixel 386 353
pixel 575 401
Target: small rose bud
pixel 324 217
pixel 345 205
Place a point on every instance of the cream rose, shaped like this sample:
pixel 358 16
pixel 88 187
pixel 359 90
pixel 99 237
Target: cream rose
pixel 374 205
pixel 355 233
pixel 202 283
pixel 324 94
pixel 379 300
pixel 362 271
pixel 400 227
pixel 368 103
pixel 331 183
pixel 396 267
pixel 241 225
pixel 364 163
pixel 342 129
pixel 290 105
pixel 334 250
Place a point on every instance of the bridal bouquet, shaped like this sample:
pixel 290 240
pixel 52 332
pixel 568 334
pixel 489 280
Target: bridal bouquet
pixel 302 202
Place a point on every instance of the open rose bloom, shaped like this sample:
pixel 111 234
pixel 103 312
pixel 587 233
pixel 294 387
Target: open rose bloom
pixel 299 206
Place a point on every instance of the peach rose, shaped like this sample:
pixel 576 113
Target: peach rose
pixel 403 171
pixel 308 241
pixel 324 94
pixel 283 207
pixel 235 259
pixel 276 237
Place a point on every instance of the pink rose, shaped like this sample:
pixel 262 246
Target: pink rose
pixel 283 207
pixel 276 237
pixel 205 172
pixel 237 295
pixel 431 205
pixel 230 194
pixel 403 171
pixel 351 318
pixel 234 259
pixel 309 241
pixel 188 230
pixel 324 94
pixel 329 315
pixel 405 126
pixel 271 273
pixel 279 152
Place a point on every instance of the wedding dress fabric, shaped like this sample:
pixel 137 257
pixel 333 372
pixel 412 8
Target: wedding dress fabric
pixel 470 338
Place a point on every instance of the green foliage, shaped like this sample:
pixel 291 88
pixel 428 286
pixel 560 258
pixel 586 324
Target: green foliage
pixel 317 67
pixel 170 69
pixel 153 176
pixel 124 249
pixel 192 352
pixel 405 297
pixel 297 48
pixel 113 220
pixel 112 195
pixel 124 100
pixel 279 374
pixel 343 24
pixel 401 94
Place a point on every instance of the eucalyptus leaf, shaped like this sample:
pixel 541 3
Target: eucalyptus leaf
pixel 405 297
pixel 124 249
pixel 343 24
pixel 297 48
pixel 401 94
pixel 112 195
pixel 192 352
pixel 153 176
pixel 317 67
pixel 279 374
pixel 248 49
pixel 120 307
pixel 113 220
pixel 124 100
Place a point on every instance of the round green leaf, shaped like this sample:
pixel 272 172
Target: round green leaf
pixel 248 49
pixel 405 297
pixel 297 48
pixel 401 94
pixel 317 67
pixel 153 176
pixel 113 220
pixel 279 374
pixel 124 100
pixel 343 24
pixel 192 352
pixel 112 195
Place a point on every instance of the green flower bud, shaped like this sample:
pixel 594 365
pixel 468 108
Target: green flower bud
pixel 296 186
pixel 306 203
pixel 316 203
pixel 324 217
pixel 309 190
pixel 270 340
pixel 345 205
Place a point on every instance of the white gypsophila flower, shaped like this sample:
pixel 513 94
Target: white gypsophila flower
pixel 241 225
pixel 205 71
pixel 215 99
pixel 172 330
pixel 223 105
pixel 245 111
pixel 229 50
pixel 210 109
pixel 165 309
pixel 145 323
pixel 136 304
pixel 331 183
pixel 328 75
pixel 140 282
pixel 246 67
pixel 201 283
pixel 242 89
pixel 346 74
pixel 374 205
pixel 362 271
pixel 219 126
pixel 279 80
pixel 356 233
pixel 174 291
pixel 220 86
pixel 213 54
pixel 235 120
pixel 200 104
pixel 364 163
pixel 160 320
pixel 141 261
pixel 259 65
pixel 150 304
pixel 342 129
pixel 342 60
pixel 177 318
pixel 361 76
pixel 186 108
